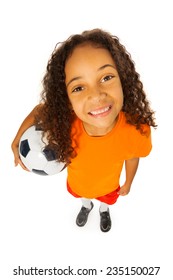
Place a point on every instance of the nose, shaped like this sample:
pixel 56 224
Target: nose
pixel 95 94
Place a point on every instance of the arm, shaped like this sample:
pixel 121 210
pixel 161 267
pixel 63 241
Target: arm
pixel 28 121
pixel 131 166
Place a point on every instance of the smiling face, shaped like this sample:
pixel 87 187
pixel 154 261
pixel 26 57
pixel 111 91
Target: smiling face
pixel 94 88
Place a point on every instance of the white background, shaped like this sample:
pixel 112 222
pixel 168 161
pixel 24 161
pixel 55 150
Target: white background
pixel 37 215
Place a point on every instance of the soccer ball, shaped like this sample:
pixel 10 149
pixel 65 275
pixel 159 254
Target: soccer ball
pixel 36 155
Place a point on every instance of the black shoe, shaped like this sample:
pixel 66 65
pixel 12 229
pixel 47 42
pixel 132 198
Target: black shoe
pixel 105 221
pixel 82 217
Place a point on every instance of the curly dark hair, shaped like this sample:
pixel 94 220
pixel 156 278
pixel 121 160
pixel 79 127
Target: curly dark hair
pixel 57 116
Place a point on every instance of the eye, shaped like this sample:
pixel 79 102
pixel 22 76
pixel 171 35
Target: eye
pixel 78 89
pixel 107 78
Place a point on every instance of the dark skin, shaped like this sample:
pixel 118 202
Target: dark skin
pixel 131 166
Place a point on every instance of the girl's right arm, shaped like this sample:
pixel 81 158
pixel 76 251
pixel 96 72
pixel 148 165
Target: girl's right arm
pixel 28 121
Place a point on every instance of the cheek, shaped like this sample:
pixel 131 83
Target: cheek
pixel 120 98
pixel 117 93
pixel 77 106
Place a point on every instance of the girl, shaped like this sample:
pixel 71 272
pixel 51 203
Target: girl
pixel 97 117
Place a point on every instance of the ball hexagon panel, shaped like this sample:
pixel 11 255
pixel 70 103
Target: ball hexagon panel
pixel 36 155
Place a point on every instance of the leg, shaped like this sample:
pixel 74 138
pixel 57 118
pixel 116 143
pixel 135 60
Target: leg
pixel 106 200
pixel 82 217
pixel 86 202
pixel 105 219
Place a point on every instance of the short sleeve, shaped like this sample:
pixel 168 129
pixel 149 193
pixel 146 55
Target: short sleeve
pixel 143 143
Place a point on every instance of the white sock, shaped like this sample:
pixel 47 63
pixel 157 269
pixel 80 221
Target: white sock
pixel 103 207
pixel 86 202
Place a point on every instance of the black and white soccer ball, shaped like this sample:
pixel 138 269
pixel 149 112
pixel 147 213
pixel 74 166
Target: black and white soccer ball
pixel 36 155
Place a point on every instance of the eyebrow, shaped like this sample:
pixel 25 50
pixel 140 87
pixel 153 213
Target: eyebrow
pixel 99 69
pixel 106 65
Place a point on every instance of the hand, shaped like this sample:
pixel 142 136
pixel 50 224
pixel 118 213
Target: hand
pixel 124 190
pixel 17 159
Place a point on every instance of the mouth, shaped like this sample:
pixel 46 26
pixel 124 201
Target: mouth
pixel 101 112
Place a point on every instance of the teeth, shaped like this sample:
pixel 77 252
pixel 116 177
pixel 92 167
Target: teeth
pixel 97 112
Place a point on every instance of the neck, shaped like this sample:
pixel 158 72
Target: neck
pixel 98 131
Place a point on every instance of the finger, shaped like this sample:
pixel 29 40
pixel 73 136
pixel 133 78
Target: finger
pixel 22 165
pixel 15 162
pixel 123 193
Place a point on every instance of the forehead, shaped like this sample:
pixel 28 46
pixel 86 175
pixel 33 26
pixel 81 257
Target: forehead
pixel 88 55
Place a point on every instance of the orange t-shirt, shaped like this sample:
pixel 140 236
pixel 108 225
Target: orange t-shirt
pixel 96 169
